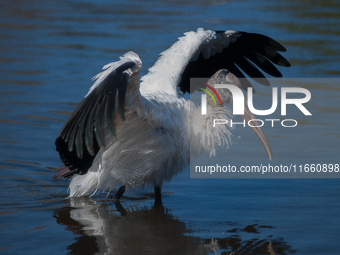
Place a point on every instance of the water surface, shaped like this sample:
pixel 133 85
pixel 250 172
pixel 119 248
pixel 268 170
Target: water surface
pixel 49 52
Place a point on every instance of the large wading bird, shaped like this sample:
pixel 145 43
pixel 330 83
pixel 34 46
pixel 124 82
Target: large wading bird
pixel 136 132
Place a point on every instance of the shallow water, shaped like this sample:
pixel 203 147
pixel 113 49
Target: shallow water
pixel 49 52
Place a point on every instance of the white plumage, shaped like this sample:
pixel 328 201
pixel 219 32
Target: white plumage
pixel 133 134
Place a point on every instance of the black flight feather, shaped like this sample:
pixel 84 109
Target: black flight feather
pixel 249 53
pixel 83 133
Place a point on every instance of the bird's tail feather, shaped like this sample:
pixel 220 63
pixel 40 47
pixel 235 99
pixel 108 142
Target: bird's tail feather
pixel 82 185
pixel 62 172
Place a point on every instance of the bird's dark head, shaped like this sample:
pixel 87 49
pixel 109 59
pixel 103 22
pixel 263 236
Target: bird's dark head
pixel 224 76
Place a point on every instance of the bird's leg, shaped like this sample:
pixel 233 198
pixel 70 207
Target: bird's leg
pixel 120 192
pixel 158 195
pixel 120 208
pixel 157 191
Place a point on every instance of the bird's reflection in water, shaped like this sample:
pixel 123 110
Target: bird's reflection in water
pixel 144 230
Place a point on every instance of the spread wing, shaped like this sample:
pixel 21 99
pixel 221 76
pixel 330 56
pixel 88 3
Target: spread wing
pixel 200 54
pixel 249 53
pixel 84 132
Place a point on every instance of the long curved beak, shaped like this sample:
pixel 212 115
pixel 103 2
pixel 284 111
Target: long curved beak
pixel 248 115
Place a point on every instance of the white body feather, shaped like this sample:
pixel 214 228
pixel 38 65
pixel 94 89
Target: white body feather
pixel 153 143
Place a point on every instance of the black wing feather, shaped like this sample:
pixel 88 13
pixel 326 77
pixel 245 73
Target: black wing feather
pixel 83 133
pixel 262 40
pixel 259 60
pixel 121 99
pixel 111 112
pixel 249 53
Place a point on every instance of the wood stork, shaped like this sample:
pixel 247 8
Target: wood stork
pixel 136 132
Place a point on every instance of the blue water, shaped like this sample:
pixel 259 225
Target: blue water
pixel 49 52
